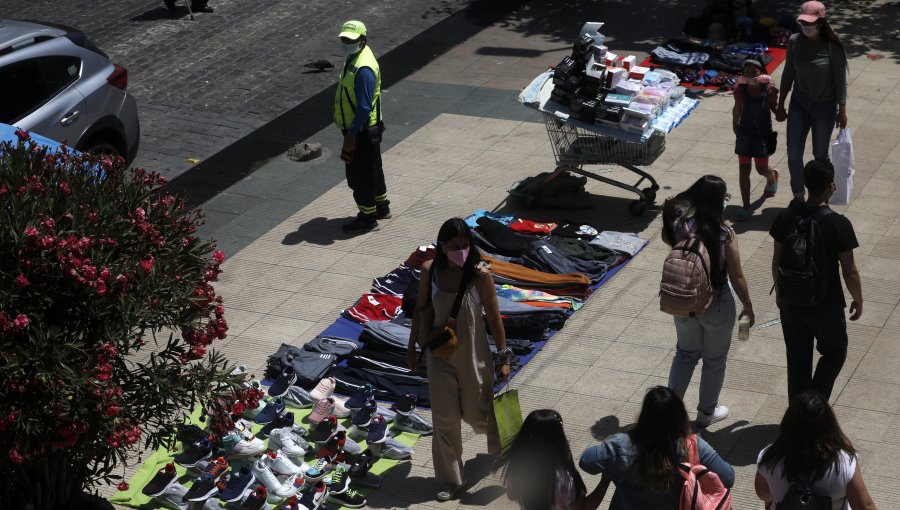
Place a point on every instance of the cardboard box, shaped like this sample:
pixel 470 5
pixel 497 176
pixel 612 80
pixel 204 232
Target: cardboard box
pixel 617 100
pixel 610 58
pixel 613 76
pixel 629 62
pixel 638 72
pixel 633 123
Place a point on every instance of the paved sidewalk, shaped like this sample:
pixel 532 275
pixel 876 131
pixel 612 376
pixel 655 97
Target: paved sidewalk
pixel 457 139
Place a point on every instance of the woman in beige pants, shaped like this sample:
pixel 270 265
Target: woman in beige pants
pixel 461 386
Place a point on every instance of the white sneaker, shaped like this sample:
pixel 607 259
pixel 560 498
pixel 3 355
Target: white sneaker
pixel 265 476
pixel 324 389
pixel 283 439
pixel 279 464
pixel 341 410
pixel 289 488
pixel 706 419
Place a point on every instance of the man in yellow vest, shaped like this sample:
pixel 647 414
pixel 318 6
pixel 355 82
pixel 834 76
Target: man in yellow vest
pixel 357 113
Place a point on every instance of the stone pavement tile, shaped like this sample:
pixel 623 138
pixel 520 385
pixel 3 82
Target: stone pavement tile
pixel 759 349
pixel 884 343
pixel 555 376
pixel 573 349
pixel 878 458
pixel 300 305
pixel 533 397
pixel 756 377
pixel 576 408
pixel 260 274
pixel 479 175
pixel 651 333
pixel 884 489
pixel 389 243
pixel 417 186
pixel 607 383
pixel 878 267
pixel 278 329
pixel 239 320
pixel 699 165
pixel 310 257
pixel 893 322
pixel 878 368
pixel 257 299
pixel 339 286
pixel 455 192
pixel 598 325
pixel 249 351
pixel 632 358
pixel 351 263
pixel 892 435
pixel 870 395
pixel 434 152
pixel 268 252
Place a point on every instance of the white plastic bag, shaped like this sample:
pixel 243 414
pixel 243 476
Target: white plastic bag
pixel 844 167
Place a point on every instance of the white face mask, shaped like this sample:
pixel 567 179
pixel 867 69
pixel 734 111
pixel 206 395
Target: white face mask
pixel 351 48
pixel 809 31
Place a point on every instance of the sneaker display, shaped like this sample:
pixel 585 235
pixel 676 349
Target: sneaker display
pixel 362 395
pixel 392 449
pixel 377 430
pixel 406 404
pixel 273 409
pixel 290 504
pixel 706 419
pixel 236 485
pixel 256 500
pixel 363 416
pixel 279 464
pixel 264 475
pixel 298 397
pixel 367 480
pixel 324 389
pixel 317 471
pixel 285 440
pixel 339 479
pixel 205 486
pixel 340 408
pixel 323 409
pixel 173 497
pixel 324 429
pixel 285 420
pixel 211 504
pixel 313 497
pixel 288 489
pixel 349 499
pixel 165 478
pixel 194 453
pixel 414 423
pixel 333 447
pixel 285 380
pixel 239 445
pixel 188 434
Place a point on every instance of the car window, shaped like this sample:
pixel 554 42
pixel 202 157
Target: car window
pixel 26 85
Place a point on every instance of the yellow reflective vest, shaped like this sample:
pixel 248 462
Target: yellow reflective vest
pixel 345 97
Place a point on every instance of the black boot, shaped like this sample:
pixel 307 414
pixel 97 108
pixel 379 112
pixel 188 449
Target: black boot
pixel 362 224
pixel 383 210
pixel 170 4
pixel 201 7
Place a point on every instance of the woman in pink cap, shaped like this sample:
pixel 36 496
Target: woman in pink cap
pixel 816 71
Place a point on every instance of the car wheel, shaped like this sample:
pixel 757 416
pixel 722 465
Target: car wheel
pixel 96 147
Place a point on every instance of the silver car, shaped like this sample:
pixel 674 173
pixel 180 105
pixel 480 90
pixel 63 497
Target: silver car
pixel 55 82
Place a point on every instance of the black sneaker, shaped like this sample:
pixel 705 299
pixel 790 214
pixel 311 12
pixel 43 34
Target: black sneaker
pixel 170 4
pixel 201 7
pixel 194 453
pixel 362 224
pixel 406 404
pixel 349 498
pixel 383 210
pixel 202 489
pixel 281 421
pixel 360 463
pixel 188 434
pixel 164 479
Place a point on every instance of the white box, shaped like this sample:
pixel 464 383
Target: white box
pixel 611 59
pixel 592 28
pixel 629 62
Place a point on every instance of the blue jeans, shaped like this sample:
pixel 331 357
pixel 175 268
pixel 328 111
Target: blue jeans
pixel 805 115
pixel 707 336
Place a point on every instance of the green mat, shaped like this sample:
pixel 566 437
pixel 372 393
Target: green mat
pixel 158 459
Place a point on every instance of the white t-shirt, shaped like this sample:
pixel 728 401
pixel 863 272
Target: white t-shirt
pixel 833 484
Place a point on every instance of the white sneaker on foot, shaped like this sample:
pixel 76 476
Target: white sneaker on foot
pixel 706 419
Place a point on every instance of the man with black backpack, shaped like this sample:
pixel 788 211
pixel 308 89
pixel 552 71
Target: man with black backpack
pixel 811 241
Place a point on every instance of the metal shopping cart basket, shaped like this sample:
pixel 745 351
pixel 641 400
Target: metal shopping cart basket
pixel 576 146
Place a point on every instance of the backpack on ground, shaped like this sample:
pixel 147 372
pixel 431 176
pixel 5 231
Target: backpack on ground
pixel 802 267
pixel 801 497
pixel 686 289
pixel 703 489
pixel 551 191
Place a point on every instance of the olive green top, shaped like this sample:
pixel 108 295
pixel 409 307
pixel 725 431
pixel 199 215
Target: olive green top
pixel 818 69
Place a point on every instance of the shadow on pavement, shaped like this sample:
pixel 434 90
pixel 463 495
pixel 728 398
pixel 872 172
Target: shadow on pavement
pixel 161 13
pixel 605 213
pixel 322 231
pixel 607 426
pixel 740 445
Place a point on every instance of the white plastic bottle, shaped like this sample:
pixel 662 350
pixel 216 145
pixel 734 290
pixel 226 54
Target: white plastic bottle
pixel 744 329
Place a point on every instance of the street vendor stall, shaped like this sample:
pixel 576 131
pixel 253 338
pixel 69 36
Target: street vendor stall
pixel 601 109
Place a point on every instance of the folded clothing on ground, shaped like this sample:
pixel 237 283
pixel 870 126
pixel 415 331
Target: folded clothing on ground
pixel 501 237
pixel 582 249
pixel 397 281
pixel 531 227
pixel 309 366
pixel 571 284
pixel 546 257
pixel 621 242
pixel 387 387
pixel 524 321
pixel 338 346
pixel 472 219
pixel 374 307
pixel 421 255
pixel 532 296
pixel 385 335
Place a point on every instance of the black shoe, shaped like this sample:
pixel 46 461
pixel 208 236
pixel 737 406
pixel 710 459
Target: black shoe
pixel 201 8
pixel 349 498
pixel 383 210
pixel 188 434
pixel 362 224
pixel 170 4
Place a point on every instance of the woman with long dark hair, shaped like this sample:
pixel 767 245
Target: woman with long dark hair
pixel 811 451
pixel 816 70
pixel 698 211
pixel 538 470
pixel 644 462
pixel 461 383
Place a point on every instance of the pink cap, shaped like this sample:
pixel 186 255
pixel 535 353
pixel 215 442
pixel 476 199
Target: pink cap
pixel 811 11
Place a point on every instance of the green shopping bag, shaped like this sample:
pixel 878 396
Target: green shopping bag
pixel 508 414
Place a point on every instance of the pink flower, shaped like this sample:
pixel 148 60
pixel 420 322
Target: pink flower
pixel 23 135
pixel 14 454
pixel 113 410
pixel 102 377
pixel 48 223
pixel 140 213
pixel 21 321
pixel 147 263
pixel 3 189
pixel 21 282
pixel 31 231
pixel 219 256
pixel 101 288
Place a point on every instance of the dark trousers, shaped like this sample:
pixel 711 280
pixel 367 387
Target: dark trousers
pixel 365 176
pixel 801 326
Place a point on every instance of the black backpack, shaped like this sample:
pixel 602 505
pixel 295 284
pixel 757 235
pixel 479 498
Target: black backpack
pixel 801 497
pixel 802 278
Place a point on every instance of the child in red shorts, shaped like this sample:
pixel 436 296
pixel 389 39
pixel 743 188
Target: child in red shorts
pixel 755 99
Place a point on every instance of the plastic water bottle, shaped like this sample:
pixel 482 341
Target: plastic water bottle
pixel 744 329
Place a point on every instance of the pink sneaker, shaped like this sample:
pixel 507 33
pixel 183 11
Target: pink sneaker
pixel 324 389
pixel 324 408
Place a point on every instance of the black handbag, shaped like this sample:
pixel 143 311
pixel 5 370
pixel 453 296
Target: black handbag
pixel 771 142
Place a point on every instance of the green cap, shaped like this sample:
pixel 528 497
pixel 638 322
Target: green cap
pixel 353 29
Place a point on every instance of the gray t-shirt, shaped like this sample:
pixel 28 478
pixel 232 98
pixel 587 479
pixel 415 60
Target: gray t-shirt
pixel 818 69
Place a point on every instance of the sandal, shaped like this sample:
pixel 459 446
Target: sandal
pixel 771 189
pixel 741 214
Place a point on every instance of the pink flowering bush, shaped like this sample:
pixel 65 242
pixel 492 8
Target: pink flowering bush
pixel 107 317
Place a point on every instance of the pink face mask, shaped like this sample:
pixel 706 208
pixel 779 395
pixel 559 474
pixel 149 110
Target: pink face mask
pixel 747 80
pixel 458 257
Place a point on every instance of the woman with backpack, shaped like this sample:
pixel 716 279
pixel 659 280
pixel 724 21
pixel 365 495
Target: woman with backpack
pixel 644 463
pixel 457 294
pixel 697 213
pixel 816 70
pixel 811 454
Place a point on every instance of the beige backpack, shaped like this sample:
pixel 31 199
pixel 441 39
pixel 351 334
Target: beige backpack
pixel 685 289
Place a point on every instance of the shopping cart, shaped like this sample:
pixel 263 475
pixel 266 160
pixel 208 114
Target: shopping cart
pixel 576 146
